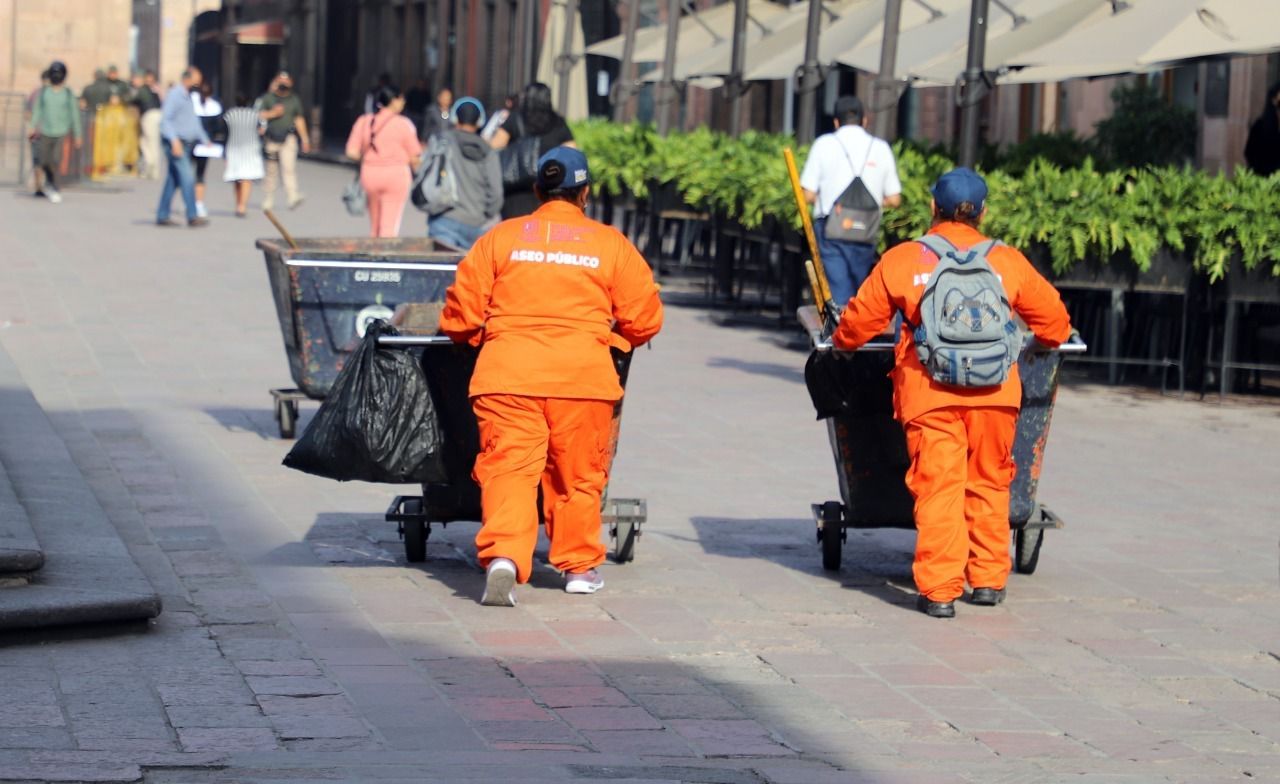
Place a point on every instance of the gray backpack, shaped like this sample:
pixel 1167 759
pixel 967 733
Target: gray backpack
pixel 967 335
pixel 435 188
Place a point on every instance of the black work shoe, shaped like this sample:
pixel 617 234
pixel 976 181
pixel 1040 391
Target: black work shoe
pixel 988 597
pixel 935 609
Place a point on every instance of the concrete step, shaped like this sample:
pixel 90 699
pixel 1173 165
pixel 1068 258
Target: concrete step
pixel 20 553
pixel 87 574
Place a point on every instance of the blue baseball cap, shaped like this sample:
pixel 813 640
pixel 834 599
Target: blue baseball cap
pixel 958 186
pixel 562 168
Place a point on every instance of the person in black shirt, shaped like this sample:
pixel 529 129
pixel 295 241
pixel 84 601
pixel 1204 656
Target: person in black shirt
pixel 1262 151
pixel 534 117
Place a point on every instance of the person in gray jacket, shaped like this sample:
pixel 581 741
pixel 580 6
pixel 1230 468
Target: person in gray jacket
pixel 478 173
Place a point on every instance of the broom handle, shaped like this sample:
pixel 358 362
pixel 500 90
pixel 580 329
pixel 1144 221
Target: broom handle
pixel 803 206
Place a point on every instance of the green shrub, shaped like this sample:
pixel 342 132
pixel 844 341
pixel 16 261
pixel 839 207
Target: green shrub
pixel 1074 212
pixel 1146 130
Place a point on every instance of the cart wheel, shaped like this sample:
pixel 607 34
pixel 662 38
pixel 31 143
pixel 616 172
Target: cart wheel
pixel 287 416
pixel 624 542
pixel 832 535
pixel 1026 549
pixel 415 533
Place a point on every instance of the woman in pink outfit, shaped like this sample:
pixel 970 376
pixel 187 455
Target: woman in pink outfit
pixel 386 144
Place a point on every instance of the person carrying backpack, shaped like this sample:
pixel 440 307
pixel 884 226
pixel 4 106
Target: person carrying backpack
pixel 955 384
pixel 459 184
pixel 849 176
pixel 54 115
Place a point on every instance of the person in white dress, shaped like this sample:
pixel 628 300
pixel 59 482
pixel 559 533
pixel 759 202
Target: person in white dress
pixel 244 151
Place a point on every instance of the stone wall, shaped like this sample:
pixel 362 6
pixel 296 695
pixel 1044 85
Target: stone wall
pixel 84 34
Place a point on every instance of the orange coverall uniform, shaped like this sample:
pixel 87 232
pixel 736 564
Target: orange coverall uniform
pixel 960 439
pixel 545 296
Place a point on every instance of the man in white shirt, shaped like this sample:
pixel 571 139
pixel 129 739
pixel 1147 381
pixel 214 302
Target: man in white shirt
pixel 834 161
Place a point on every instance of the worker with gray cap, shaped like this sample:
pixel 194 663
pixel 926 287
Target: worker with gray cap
pixel 849 177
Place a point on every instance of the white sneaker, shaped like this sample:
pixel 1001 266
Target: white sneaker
pixel 53 196
pixel 589 581
pixel 500 583
pixel 201 212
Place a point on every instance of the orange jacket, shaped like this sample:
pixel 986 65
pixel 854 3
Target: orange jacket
pixel 898 282
pixel 546 295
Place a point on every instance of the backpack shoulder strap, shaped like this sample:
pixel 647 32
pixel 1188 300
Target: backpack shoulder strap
pixel 937 244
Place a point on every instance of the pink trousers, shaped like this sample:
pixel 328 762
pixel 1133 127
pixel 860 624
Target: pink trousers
pixel 388 190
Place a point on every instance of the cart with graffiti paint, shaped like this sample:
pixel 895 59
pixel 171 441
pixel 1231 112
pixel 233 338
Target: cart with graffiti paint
pixel 326 292
pixel 871 451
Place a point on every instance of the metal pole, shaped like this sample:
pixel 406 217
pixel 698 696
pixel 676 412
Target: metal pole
pixel 735 84
pixel 626 79
pixel 806 128
pixel 669 98
pixel 564 63
pixel 970 96
pixel 886 93
pixel 531 31
pixel 229 52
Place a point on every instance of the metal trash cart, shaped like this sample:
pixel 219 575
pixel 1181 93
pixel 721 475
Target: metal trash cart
pixel 870 449
pixel 448 370
pixel 327 291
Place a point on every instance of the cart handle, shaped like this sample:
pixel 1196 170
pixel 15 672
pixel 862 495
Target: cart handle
pixel 413 340
pixel 1074 345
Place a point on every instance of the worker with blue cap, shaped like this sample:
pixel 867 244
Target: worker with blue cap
pixel 955 384
pixel 547 296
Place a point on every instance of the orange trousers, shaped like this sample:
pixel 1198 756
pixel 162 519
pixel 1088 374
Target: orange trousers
pixel 564 445
pixel 961 469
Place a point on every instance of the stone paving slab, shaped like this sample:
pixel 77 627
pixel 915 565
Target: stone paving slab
pixel 89 576
pixel 297 643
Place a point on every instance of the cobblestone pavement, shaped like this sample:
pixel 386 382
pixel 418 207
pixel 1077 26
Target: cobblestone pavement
pixel 296 642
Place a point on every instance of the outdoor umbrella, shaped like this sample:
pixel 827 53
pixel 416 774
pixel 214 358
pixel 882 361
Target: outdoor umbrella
pixel 697 32
pixel 777 56
pixel 552 46
pixel 1145 34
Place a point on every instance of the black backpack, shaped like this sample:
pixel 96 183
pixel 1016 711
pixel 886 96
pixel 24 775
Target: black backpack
pixel 855 217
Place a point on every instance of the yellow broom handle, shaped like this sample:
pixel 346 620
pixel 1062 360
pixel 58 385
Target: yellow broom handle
pixel 803 207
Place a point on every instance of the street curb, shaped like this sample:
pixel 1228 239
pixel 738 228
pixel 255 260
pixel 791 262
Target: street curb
pixel 20 553
pixel 88 575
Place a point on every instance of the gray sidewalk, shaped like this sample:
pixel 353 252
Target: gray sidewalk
pixel 297 644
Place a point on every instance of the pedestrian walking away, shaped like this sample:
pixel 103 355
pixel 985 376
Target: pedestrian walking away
pixel 531 130
pixel 547 296
pixel 468 169
pixel 284 135
pixel 387 147
pixel 54 116
pixel 180 131
pixel 849 177
pixel 209 110
pixel 959 426
pixel 147 99
pixel 244 152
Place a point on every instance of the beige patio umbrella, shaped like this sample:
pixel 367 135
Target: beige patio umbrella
pixel 552 45
pixel 698 32
pixel 704 67
pixel 856 23
pixel 1040 22
pixel 1148 33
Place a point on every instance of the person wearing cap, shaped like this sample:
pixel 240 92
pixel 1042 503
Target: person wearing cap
pixel 835 160
pixel 546 296
pixel 285 132
pixel 960 439
pixel 477 173
pixel 54 114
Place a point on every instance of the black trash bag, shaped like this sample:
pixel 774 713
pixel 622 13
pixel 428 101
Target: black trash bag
pixel 378 423
pixel 847 384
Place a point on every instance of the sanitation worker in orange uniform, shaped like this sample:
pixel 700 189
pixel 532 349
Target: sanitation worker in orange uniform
pixel 545 296
pixel 960 438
